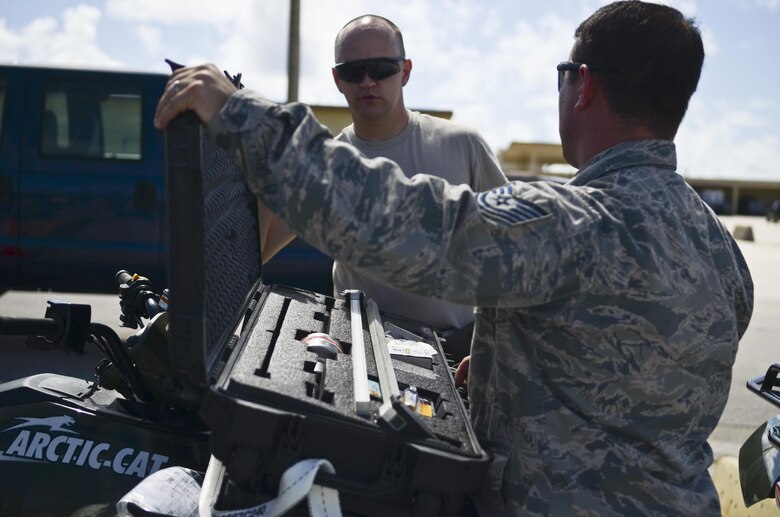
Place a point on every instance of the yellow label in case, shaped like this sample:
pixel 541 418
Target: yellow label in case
pixel 374 389
pixel 425 408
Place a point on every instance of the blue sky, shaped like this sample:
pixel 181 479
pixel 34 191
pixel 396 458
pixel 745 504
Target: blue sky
pixel 491 63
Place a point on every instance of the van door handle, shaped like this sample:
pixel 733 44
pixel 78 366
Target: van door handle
pixel 144 197
pixel 6 189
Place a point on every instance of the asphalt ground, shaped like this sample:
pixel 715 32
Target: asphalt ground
pixel 760 346
pixel 744 412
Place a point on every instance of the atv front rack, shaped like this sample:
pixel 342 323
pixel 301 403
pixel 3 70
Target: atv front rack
pixel 768 386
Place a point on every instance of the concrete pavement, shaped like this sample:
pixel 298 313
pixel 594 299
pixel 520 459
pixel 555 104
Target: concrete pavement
pixel 760 346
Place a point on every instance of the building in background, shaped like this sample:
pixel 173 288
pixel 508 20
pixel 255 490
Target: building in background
pixel 535 161
pixel 532 161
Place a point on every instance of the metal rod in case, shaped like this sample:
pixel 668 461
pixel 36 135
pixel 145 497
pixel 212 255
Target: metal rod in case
pixel 359 370
pixel 388 382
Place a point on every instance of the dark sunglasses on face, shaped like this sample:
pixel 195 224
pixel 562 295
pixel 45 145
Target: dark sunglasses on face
pixel 575 65
pixel 377 68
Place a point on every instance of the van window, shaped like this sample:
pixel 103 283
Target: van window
pixel 85 120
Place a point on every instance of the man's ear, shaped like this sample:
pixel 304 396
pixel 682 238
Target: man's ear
pixel 588 87
pixel 406 71
pixel 336 80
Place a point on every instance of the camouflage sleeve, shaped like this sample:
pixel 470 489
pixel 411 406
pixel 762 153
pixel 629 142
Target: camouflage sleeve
pixel 505 247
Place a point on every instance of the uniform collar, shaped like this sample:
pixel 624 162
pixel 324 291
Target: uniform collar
pixel 633 153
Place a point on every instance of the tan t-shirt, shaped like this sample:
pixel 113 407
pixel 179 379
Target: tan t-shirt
pixel 441 148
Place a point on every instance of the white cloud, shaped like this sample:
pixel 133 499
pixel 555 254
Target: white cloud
pixel 81 20
pixel 10 42
pixel 150 37
pixel 242 35
pixel 769 5
pixel 45 40
pixel 168 12
pixel 772 5
pixel 256 46
pixel 710 41
pixel 687 7
pixel 728 139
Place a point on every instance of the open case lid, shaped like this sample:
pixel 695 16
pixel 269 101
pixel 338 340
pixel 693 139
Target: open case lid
pixel 213 247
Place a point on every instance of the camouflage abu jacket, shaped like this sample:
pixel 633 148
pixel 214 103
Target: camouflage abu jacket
pixel 609 308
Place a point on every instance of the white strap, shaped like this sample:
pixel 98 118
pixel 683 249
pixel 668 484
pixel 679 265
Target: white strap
pixel 172 491
pixel 212 482
pixel 296 483
pixel 175 491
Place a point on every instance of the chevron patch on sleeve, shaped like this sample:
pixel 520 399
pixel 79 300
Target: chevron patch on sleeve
pixel 501 206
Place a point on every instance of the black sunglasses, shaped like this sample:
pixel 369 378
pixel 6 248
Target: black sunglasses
pixel 377 68
pixel 575 65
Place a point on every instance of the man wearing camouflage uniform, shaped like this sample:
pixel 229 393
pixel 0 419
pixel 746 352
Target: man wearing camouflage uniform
pixel 609 308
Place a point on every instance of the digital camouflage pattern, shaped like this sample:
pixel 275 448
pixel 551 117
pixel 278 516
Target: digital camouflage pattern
pixel 609 308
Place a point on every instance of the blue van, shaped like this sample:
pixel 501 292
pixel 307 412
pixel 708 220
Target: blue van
pixel 81 184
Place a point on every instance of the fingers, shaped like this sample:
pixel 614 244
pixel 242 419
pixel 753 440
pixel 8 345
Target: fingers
pixel 172 102
pixel 462 372
pixel 202 89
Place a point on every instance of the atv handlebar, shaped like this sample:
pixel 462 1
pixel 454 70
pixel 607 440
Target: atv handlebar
pixel 65 324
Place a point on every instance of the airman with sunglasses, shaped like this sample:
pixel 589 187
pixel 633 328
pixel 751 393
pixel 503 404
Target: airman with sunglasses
pixel 609 309
pixel 371 70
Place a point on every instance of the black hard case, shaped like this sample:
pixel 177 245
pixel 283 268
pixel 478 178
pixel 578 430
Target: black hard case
pixel 240 341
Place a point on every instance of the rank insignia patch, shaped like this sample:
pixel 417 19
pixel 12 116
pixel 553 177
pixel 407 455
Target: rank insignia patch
pixel 502 207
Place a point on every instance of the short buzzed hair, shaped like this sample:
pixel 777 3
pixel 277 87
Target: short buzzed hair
pixel 371 19
pixel 658 54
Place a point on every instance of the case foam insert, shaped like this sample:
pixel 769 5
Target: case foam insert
pixel 275 368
